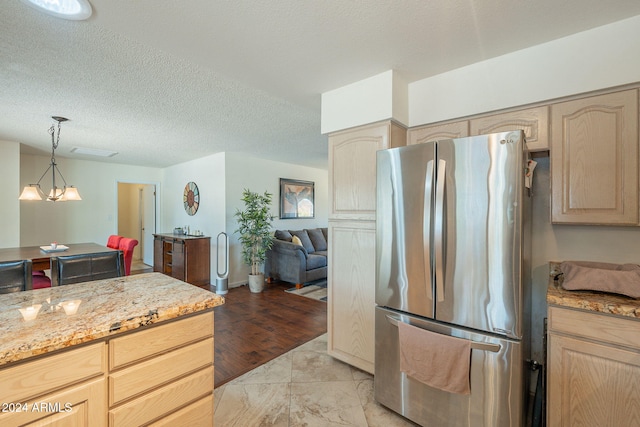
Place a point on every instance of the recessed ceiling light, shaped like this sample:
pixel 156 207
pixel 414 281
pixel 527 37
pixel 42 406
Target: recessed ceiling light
pixel 93 152
pixel 65 9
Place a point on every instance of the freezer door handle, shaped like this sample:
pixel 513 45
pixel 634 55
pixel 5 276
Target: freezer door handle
pixel 494 348
pixel 439 229
pixel 426 226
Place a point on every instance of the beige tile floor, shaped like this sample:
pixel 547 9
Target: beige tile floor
pixel 304 387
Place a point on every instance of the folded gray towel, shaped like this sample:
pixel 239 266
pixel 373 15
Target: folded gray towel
pixel 600 276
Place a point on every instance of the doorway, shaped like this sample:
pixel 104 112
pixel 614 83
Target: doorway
pixel 137 218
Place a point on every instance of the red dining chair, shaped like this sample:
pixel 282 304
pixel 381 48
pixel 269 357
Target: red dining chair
pixel 40 280
pixel 114 241
pixel 126 246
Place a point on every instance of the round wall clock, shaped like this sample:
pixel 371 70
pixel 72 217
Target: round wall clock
pixel 191 198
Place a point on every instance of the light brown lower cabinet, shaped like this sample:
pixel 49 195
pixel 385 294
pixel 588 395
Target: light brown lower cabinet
pixel 351 307
pixel 160 375
pixel 593 378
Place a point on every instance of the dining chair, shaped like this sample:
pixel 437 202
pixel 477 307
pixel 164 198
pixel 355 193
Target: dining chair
pixel 15 276
pixel 114 241
pixel 66 270
pixel 126 246
pixel 40 279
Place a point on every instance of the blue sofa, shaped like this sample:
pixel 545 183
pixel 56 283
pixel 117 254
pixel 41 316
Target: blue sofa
pixel 298 256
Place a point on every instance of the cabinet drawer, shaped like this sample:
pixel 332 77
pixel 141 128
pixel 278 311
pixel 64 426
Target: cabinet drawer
pixel 592 325
pixel 164 400
pixel 159 339
pixel 152 373
pixel 198 414
pixel 31 379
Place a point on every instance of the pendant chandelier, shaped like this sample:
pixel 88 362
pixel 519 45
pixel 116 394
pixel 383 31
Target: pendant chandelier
pixel 56 194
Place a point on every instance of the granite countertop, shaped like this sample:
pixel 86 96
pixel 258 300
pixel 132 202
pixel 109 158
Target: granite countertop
pixel 74 314
pixel 601 302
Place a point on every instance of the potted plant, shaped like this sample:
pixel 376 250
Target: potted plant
pixel 254 227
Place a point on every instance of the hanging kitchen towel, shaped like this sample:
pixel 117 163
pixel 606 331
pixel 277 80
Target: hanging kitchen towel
pixel 437 360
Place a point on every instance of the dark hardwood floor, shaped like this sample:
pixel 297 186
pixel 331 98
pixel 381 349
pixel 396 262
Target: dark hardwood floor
pixel 252 329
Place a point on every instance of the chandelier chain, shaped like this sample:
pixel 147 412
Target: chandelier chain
pixel 54 140
pixel 52 131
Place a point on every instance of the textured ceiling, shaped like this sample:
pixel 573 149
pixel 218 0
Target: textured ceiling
pixel 166 82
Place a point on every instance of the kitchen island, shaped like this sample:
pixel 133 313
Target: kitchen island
pixel 126 351
pixel 593 357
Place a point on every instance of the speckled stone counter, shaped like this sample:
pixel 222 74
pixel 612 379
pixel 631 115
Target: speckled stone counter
pixel 589 300
pixel 69 315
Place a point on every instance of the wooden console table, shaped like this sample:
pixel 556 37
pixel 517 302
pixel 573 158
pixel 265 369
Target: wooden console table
pixel 186 258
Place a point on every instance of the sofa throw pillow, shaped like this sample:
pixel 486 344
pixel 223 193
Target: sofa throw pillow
pixel 317 239
pixel 296 241
pixel 304 238
pixel 283 235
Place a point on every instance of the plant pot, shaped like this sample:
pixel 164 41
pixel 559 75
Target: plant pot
pixel 256 282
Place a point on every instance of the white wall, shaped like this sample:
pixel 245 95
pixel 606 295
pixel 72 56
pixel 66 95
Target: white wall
pixel 9 192
pixel 263 175
pixel 603 57
pixel 568 242
pixel 209 175
pixel 381 97
pixel 91 220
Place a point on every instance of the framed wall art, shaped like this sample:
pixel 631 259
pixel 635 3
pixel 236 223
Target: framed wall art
pixel 296 199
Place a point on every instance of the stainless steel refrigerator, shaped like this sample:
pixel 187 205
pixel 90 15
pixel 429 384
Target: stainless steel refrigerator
pixel 452 248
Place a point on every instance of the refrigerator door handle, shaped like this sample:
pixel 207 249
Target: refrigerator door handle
pixel 494 348
pixel 426 226
pixel 439 229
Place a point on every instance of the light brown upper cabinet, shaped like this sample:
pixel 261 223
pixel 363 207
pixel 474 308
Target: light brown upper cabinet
pixel 594 160
pixel 435 132
pixel 533 121
pixel 352 168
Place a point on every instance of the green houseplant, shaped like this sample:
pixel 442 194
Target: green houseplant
pixel 254 227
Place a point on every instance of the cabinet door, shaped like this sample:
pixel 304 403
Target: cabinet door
pixel 78 406
pixel 352 166
pixel 197 261
pixel 351 292
pixel 435 132
pixel 594 160
pixel 533 121
pixel 592 384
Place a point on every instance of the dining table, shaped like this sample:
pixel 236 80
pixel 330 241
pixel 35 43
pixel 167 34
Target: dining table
pixel 41 258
